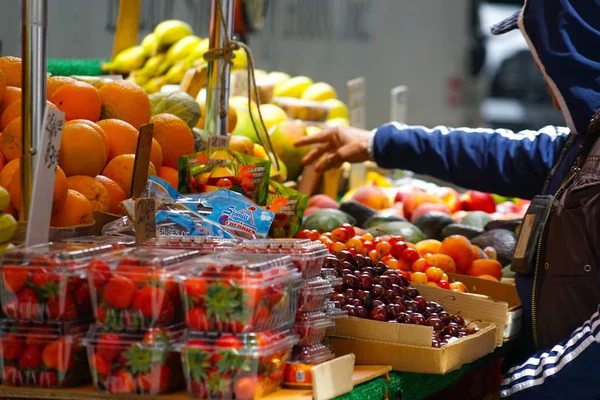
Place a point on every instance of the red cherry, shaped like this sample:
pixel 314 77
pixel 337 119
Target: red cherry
pixel 398 248
pixel 444 284
pixel 395 239
pixel 350 229
pixel 410 255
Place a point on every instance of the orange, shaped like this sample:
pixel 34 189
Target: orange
pixel 116 193
pixel 11 94
pixel 122 136
pixel 486 267
pixel 442 261
pixel 10 140
pixel 81 150
pixel 478 254
pixel 170 175
pixel 2 85
pixel 11 67
pixel 7 172
pixel 126 101
pixel 174 136
pixel 2 162
pixel 156 154
pixel 428 246
pixel 120 170
pixel 100 131
pixel 78 100
pixel 55 82
pixel 14 186
pixel 93 190
pixel 14 111
pixel 460 249
pixel 76 210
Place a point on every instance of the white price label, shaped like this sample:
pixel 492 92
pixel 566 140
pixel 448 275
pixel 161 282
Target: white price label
pixel 399 104
pixel 218 142
pixel 38 229
pixel 356 102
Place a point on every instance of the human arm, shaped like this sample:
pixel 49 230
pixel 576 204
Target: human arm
pixel 568 371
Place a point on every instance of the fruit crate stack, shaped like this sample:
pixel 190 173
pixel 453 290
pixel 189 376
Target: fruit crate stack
pixel 316 314
pixel 46 300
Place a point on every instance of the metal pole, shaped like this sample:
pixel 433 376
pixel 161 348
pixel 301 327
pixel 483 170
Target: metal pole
pixel 215 124
pixel 33 52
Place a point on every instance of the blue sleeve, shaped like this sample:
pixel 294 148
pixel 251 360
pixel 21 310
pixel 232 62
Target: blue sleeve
pixel 495 161
pixel 568 371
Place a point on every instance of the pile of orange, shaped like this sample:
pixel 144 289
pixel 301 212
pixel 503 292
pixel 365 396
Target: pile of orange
pixel 99 140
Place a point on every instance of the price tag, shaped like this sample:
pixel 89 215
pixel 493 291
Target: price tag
pixel 142 160
pixel 40 211
pixel 218 142
pixel 399 104
pixel 356 102
pixel 145 220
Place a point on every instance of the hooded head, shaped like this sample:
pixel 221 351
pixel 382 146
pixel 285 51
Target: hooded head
pixel 564 39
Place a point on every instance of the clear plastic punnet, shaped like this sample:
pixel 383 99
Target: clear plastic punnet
pixel 136 288
pixel 314 295
pixel 307 256
pixel 312 354
pixel 239 293
pixel 204 244
pixel 48 282
pixel 142 363
pixel 228 366
pixel 43 354
pixel 312 327
pixel 118 242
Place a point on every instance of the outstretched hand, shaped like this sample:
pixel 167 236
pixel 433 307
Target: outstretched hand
pixel 334 146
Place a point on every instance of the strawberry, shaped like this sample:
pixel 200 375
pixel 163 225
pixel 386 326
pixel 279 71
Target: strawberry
pixel 138 274
pixel 121 382
pixel 98 273
pixel 47 379
pixel 14 277
pixel 246 388
pixel 157 335
pixel 199 390
pixel 196 319
pixel 82 297
pixel 195 287
pixel 59 355
pixel 261 316
pixel 119 291
pixel 156 381
pixel 42 262
pixel 12 375
pixel 110 346
pixel 28 306
pixel 225 345
pixel 151 302
pixel 100 364
pixel 11 346
pixel 62 307
pixel 31 357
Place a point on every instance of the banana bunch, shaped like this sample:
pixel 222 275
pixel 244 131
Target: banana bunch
pixel 8 224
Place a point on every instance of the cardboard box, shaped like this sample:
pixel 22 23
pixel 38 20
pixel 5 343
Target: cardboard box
pixel 499 293
pixel 410 358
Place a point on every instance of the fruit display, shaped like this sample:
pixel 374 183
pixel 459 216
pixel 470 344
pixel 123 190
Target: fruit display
pixel 130 363
pixel 43 354
pixel 243 367
pixel 307 257
pixel 48 282
pixel 239 293
pixel 136 288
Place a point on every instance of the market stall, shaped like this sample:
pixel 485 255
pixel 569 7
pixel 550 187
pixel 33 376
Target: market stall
pixel 186 247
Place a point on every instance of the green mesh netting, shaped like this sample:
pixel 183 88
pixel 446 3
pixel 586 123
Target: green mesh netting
pixel 67 67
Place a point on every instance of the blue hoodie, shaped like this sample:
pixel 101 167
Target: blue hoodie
pixel 564 38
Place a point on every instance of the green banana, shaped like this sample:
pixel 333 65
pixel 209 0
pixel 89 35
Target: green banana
pixel 4 199
pixel 126 61
pixel 171 31
pixel 182 48
pixel 8 226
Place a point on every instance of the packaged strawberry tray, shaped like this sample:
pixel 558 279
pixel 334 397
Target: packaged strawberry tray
pixel 314 295
pixel 136 288
pixel 203 244
pixel 118 242
pixel 43 354
pixel 230 366
pixel 239 293
pixel 311 327
pixel 141 363
pixel 48 282
pixel 307 256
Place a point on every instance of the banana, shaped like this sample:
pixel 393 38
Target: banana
pixel 149 44
pixel 8 226
pixel 4 199
pixel 138 77
pixel 182 48
pixel 154 84
pixel 176 72
pixel 164 66
pixel 171 31
pixel 126 61
pixel 152 66
pixel 96 81
pixel 240 61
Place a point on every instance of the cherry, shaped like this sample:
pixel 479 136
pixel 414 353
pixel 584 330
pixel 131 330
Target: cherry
pixel 417 319
pixel 397 289
pixel 367 271
pixel 384 281
pixel 391 310
pixel 458 320
pixel 338 288
pixel 412 292
pixel 355 302
pixel 436 323
pixel 395 239
pixel 393 321
pixel 380 268
pixel 350 309
pixel 350 281
pixel 348 228
pixel 349 293
pixel 365 297
pixel 398 308
pixel 331 262
pixel 411 306
pixel 403 318
pixel 361 312
pixel 361 262
pixel 339 297
pixel 378 303
pixel 472 330
pixel 389 296
pixel 364 282
pixel 435 307
pixel 377 291
pixel 452 329
pixel 398 249
pixel 421 303
pixel 462 334
pixel 348 266
pixel 394 278
pixel 403 281
pixel 435 343
pixel 347 271
pixel 378 314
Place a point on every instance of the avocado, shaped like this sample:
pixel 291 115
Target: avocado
pixel 382 218
pixel 502 240
pixel 476 219
pixel 432 224
pixel 408 231
pixel 360 212
pixel 459 229
pixel 511 225
pixel 326 220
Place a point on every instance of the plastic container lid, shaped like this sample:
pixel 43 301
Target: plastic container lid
pixel 44 331
pixel 297 249
pixel 154 338
pixel 204 244
pixel 313 320
pixel 149 258
pixel 127 241
pixel 317 286
pixel 312 354
pixel 253 344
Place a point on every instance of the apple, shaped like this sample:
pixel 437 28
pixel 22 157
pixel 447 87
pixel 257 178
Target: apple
pixel 473 200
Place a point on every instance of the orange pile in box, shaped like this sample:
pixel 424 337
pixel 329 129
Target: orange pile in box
pixel 427 262
pixel 98 144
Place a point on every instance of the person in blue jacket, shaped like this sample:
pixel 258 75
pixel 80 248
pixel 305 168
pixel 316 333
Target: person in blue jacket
pixel 560 358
